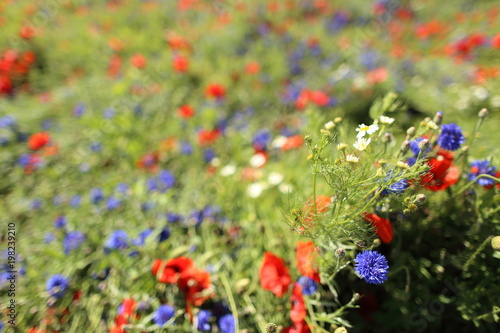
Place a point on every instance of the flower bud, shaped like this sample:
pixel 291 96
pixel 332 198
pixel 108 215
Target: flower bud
pixel 420 198
pixel 423 145
pixel 438 118
pixel 361 243
pixel 483 113
pixel 377 242
pixel 405 146
pixel 271 328
pixel 411 131
pixel 340 330
pixel 329 125
pixel 495 243
pixel 340 253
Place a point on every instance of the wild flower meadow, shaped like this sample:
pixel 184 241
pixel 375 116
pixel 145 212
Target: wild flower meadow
pixel 249 166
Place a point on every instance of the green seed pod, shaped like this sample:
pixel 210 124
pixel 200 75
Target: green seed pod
pixel 340 330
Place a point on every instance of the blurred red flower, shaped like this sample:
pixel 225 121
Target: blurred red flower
pixel 38 140
pixel 138 61
pixel 172 270
pixel 274 275
pixel 306 258
pixel 292 142
pixel 186 111
pixel 442 173
pixel 215 90
pixel 207 137
pixel 383 227
pixel 180 64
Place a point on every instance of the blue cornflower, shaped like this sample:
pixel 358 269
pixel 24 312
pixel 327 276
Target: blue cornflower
pixel 261 139
pixel 113 203
pixel 398 187
pixel 480 167
pixel 7 121
pixel 36 204
pixel 75 201
pixel 24 160
pixel 227 324
pixel 1 326
pixel 209 155
pixel 166 180
pixel 141 240
pixel 73 240
pixel 309 286
pixel 164 235
pixel 57 285
pixel 109 113
pixel 451 137
pixel 60 222
pixel 96 146
pixel 203 320
pixel 186 148
pixel 122 188
pixel 372 267
pixel 57 200
pixel 173 217
pixel 78 110
pixel 117 240
pixel 49 237
pixel 163 314
pixel 96 195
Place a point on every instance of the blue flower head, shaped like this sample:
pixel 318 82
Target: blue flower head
pixel 96 195
pixel 113 203
pixel 372 267
pixel 164 235
pixel 141 240
pixel 415 149
pixel 117 240
pixel 261 139
pixel 72 241
pixel 163 314
pixel 78 110
pixel 186 148
pixel 227 324
pixel 309 286
pixel 60 222
pixel 203 320
pixel 451 137
pixel 209 155
pixel 481 167
pixel 57 285
pixel 75 201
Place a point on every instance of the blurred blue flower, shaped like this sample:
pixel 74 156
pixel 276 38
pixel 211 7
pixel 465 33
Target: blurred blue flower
pixel 96 195
pixel 122 188
pixel 203 320
pixel 57 285
pixel 451 137
pixel 113 203
pixel 163 314
pixel 60 222
pixel 73 240
pixel 227 324
pixel 79 110
pixel 96 146
pixel 173 218
pixel 117 240
pixel 7 121
pixel 371 266
pixel 164 235
pixel 309 286
pixel 261 139
pixel 49 237
pixel 208 155
pixel 75 201
pixel 141 239
pixel 109 113
pixel 186 148
pixel 482 167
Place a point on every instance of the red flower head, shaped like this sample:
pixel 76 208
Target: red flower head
pixel 442 173
pixel 215 90
pixel 186 111
pixel 274 275
pixel 306 256
pixel 38 140
pixel 195 284
pixel 171 270
pixel 27 32
pixel 293 142
pixel 6 86
pixel 206 137
pixel 252 67
pixel 319 98
pixel 138 61
pixel 180 64
pixel 310 213
pixel 383 227
pixel 298 312
pixel 149 161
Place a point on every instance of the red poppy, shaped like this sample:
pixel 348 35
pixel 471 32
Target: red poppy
pixel 38 140
pixel 149 161
pixel 171 270
pixel 442 173
pixel 310 213
pixel 195 283
pixel 252 67
pixel 274 275
pixel 186 111
pixel 292 142
pixel 206 137
pixel 298 312
pixel 138 61
pixel 383 227
pixel 319 98
pixel 215 90
pixel 27 32
pixel 180 64
pixel 115 65
pixel 306 257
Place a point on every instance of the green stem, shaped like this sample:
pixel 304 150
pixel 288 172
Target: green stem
pixel 472 182
pixel 474 255
pixel 230 297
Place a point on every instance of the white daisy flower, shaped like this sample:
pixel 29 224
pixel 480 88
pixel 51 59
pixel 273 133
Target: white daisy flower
pixel 362 143
pixel 275 178
pixel 352 159
pixel 364 129
pixel 228 170
pixel 386 120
